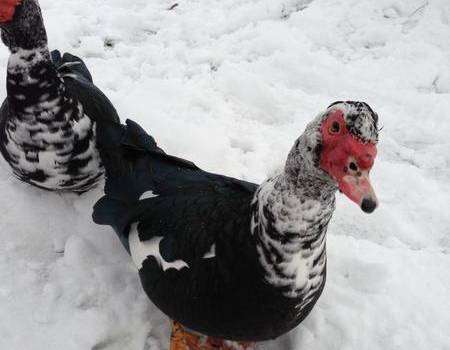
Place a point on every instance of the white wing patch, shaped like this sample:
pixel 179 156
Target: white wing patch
pixel 140 251
pixel 211 253
pixel 148 194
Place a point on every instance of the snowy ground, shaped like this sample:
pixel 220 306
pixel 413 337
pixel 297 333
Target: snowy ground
pixel 230 84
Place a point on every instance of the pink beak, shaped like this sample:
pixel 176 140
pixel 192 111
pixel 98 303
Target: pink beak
pixel 359 190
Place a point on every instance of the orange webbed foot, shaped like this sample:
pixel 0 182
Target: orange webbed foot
pixel 182 339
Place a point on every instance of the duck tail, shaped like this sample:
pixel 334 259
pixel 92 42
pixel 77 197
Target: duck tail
pixel 113 212
pixel 70 65
pixel 122 149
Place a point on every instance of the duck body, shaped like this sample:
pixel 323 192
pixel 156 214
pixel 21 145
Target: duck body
pixel 48 121
pixel 205 244
pixel 209 277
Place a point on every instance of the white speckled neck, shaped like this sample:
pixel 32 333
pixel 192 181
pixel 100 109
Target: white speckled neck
pixel 291 212
pixel 23 60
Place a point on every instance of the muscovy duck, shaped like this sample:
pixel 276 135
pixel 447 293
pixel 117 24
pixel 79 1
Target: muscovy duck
pixel 49 118
pixel 226 258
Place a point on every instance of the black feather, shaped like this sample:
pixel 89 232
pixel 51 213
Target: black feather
pixel 225 296
pixel 79 84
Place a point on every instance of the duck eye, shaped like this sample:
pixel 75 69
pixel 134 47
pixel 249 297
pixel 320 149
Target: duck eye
pixel 335 128
pixel 353 166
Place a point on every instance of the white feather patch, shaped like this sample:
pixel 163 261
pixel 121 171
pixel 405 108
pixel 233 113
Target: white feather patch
pixel 148 194
pixel 140 251
pixel 211 253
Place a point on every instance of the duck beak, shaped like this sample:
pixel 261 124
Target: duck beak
pixel 358 188
pixel 349 163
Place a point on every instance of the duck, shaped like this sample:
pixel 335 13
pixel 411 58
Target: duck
pixel 231 262
pixel 49 119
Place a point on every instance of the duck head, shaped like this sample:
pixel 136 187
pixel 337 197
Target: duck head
pixel 21 25
pixel 339 148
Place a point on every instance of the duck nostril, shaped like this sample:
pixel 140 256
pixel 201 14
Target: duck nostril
pixel 353 166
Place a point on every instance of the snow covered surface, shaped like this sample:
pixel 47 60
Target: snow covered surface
pixel 230 84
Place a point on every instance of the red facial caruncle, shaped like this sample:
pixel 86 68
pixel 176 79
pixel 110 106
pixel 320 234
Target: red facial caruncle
pixel 348 160
pixel 7 9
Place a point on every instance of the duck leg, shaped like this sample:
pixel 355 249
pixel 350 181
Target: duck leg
pixel 183 339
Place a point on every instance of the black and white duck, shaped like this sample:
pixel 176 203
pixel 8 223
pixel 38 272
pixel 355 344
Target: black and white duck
pixel 227 259
pixel 48 121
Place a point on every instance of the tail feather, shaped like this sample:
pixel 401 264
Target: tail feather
pixel 135 165
pixel 78 83
pixel 136 137
pixel 70 64
pixel 56 58
pixel 112 212
pixel 122 149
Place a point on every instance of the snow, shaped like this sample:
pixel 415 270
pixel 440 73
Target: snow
pixel 230 85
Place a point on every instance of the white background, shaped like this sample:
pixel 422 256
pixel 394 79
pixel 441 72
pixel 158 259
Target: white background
pixel 230 85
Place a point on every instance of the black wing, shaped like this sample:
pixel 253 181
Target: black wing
pixel 214 218
pixel 192 206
